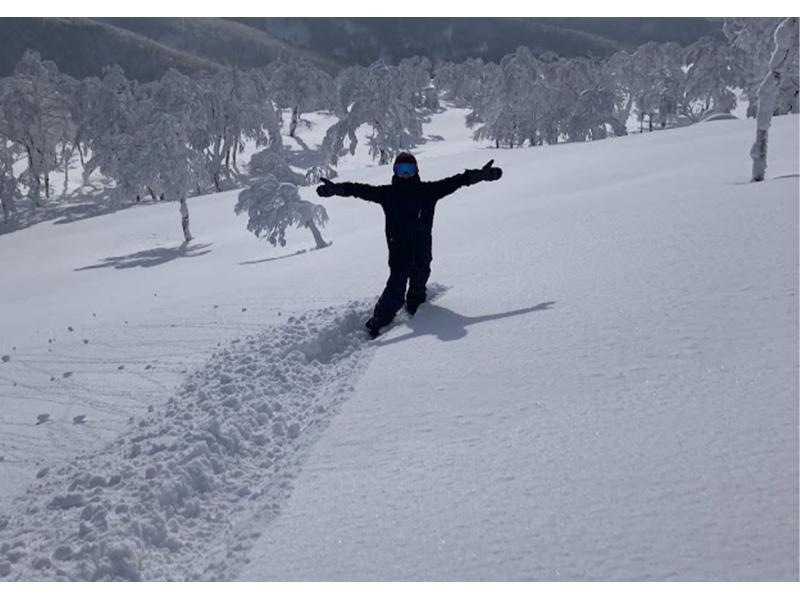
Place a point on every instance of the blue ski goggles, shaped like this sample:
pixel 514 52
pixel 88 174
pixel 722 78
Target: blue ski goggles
pixel 405 168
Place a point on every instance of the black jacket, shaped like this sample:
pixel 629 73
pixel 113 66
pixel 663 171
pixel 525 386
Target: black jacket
pixel 409 205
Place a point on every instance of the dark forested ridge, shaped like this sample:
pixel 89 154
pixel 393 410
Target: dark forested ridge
pixel 364 40
pixel 144 47
pixel 147 47
pixel 83 47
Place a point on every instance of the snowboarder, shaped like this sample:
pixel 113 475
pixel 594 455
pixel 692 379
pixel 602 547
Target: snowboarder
pixel 408 204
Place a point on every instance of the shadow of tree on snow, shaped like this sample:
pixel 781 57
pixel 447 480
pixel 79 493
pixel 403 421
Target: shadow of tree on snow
pixel 150 257
pixel 86 202
pixel 448 325
pixel 283 257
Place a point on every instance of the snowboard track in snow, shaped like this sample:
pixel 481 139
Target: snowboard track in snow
pixel 183 493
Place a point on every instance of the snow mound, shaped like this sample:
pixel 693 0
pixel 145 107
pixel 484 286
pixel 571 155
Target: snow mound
pixel 177 496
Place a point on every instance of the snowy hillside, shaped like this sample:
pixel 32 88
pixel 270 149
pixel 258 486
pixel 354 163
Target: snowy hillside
pixel 604 386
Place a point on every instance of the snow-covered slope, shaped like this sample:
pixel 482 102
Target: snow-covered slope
pixel 605 386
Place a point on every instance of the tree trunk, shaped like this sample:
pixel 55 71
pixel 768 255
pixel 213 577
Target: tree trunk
pixel 184 210
pixel 8 207
pixel 152 193
pixel 785 43
pixel 317 236
pixel 34 177
pixel 88 169
pixel 67 157
pixel 295 120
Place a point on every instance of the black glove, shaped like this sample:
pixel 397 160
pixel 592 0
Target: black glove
pixel 487 173
pixel 327 188
pixel 491 173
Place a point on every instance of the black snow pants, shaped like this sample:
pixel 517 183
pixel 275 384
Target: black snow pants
pixel 413 275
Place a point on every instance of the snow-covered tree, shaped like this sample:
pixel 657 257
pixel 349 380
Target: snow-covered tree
pixel 786 48
pixel 618 70
pixel 8 184
pixel 712 70
pixel 592 99
pixel 272 161
pixel 656 70
pixel 753 37
pixel 156 157
pixel 102 110
pixel 33 113
pixel 273 206
pixel 236 105
pixel 299 86
pixel 480 92
pixel 415 75
pixel 594 110
pixel 461 83
pixel 668 90
pixel 513 106
pixel 376 96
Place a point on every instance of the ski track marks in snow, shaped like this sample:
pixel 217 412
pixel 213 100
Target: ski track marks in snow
pixel 180 494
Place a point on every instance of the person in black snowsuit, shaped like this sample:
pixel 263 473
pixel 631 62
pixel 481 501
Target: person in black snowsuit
pixel 408 204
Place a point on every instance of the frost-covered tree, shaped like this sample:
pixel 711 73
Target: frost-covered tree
pixel 712 70
pixel 272 161
pixel 173 168
pixel 544 99
pixel 592 115
pixel 33 113
pixel 671 102
pixel 156 157
pixel 753 37
pixel 786 48
pixel 513 105
pixel 462 83
pixel 236 106
pixel 102 110
pixel 8 184
pixel 593 102
pixel 656 69
pixel 618 71
pixel 481 92
pixel 299 86
pixel 376 96
pixel 273 206
pixel 415 75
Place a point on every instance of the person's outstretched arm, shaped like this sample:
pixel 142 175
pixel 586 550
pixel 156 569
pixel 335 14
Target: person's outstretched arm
pixel 444 187
pixel 360 190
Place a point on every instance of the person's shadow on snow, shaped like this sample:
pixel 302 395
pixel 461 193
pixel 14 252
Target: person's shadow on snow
pixel 150 257
pixel 448 325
